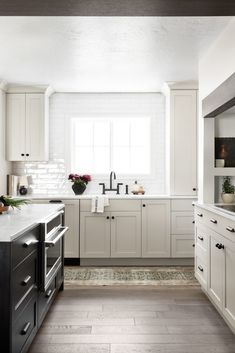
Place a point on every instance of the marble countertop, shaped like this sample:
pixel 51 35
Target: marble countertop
pixel 15 222
pixel 110 196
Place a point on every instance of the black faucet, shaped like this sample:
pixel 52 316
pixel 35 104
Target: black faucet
pixel 111 178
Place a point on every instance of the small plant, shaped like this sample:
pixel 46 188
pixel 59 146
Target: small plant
pixel 79 179
pixel 227 187
pixel 14 203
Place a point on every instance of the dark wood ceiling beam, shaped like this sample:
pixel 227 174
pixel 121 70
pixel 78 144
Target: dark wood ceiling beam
pixel 117 7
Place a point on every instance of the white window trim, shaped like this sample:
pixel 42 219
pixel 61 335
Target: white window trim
pixel 96 177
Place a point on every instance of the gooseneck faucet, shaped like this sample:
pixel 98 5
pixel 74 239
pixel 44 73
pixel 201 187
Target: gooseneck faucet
pixel 111 178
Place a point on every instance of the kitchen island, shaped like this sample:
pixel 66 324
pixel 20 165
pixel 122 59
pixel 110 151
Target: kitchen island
pixel 25 296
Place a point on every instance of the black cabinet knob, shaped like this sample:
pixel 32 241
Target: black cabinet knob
pixel 22 154
pixel 144 205
pixel 27 155
pixel 113 217
pixel 194 189
pixel 107 217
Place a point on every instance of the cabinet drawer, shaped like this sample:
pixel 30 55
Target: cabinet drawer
pixel 114 205
pixel 182 205
pixel 201 237
pixel 24 282
pixel 24 327
pixel 202 253
pixel 182 223
pixel 182 246
pixel 25 245
pixel 201 271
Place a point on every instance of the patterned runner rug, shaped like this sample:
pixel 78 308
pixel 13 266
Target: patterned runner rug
pixel 101 276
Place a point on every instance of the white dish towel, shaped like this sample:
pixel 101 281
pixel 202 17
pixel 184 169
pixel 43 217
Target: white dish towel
pixel 98 203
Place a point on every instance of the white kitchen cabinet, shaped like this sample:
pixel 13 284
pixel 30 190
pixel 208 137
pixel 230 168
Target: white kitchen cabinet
pixel 156 228
pixel 216 270
pixel 95 235
pixel 181 108
pixel 182 245
pixel 27 127
pixel 125 234
pixel 72 236
pixel 229 283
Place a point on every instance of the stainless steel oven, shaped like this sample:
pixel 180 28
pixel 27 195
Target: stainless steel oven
pixel 52 247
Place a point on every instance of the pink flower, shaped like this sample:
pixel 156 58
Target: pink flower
pixel 81 179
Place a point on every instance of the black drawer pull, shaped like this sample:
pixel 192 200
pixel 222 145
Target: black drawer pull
pixel 193 245
pixel 144 205
pixel 55 201
pixel 230 229
pixel 200 238
pixel 22 154
pixel 193 222
pixel 194 189
pixel 26 280
pixel 212 220
pixel 107 217
pixel 26 328
pixel 200 214
pixel 49 293
pixel 113 217
pixel 200 268
pixel 27 155
pixel 219 246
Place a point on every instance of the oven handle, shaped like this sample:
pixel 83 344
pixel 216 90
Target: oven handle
pixel 51 243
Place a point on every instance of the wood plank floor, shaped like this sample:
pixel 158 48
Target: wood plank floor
pixel 133 320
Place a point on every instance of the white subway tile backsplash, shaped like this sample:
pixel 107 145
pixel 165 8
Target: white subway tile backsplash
pixel 51 177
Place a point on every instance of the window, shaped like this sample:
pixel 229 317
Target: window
pixel 101 145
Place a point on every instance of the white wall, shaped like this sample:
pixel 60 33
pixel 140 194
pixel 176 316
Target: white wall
pixel 4 166
pixel 214 68
pixel 51 178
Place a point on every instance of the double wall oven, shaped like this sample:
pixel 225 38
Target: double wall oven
pixel 53 231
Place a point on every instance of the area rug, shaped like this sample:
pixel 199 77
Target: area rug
pixel 101 276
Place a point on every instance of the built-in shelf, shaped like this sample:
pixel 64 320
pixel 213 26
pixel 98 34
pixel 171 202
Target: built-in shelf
pixel 224 171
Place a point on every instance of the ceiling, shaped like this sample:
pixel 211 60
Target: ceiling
pixel 104 54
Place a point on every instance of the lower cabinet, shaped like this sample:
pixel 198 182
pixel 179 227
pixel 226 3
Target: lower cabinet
pixel 110 234
pixel 156 228
pixel 72 222
pixel 217 263
pixel 94 235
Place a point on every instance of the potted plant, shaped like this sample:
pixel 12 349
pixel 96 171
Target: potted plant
pixel 6 202
pixel 227 190
pixel 79 182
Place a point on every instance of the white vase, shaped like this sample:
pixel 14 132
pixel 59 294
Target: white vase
pixel 228 198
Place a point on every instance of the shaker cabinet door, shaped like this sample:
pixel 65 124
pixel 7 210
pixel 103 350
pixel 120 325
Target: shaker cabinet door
pixel 229 283
pixel 94 235
pixel 16 131
pixel 156 228
pixel 71 240
pixel 125 234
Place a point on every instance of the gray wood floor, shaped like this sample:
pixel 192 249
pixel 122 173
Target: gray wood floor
pixel 133 320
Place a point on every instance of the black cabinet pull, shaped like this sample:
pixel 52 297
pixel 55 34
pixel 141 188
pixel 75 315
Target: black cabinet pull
pixel 193 222
pixel 199 214
pixel 194 189
pixel 230 229
pixel 200 238
pixel 193 245
pixel 26 328
pixel 113 217
pixel 200 268
pixel 107 217
pixel 212 220
pixel 27 155
pixel 26 280
pixel 144 205
pixel 219 246
pixel 55 201
pixel 22 154
pixel 49 293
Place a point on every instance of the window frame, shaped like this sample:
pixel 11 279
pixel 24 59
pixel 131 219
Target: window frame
pixel 121 176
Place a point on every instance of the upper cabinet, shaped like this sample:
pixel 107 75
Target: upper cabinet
pixel 27 126
pixel 182 139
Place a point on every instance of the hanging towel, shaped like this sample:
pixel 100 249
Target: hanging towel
pixel 98 203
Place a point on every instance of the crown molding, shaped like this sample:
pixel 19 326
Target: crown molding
pixel 3 85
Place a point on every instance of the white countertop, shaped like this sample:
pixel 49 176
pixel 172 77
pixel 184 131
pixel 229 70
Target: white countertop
pixel 15 222
pixel 110 196
pixel 220 211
